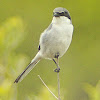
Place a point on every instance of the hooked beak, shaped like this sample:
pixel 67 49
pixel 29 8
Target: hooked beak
pixel 56 14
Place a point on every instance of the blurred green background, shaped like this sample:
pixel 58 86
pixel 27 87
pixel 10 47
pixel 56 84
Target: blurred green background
pixel 21 23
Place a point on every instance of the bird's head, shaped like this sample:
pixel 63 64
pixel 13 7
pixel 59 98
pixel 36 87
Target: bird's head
pixel 59 11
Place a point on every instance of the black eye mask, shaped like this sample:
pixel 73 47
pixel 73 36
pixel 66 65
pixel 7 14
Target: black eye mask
pixel 57 14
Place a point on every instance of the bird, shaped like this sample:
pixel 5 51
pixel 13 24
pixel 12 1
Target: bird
pixel 54 41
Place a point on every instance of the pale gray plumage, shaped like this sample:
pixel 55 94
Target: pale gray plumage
pixel 54 41
pixel 60 9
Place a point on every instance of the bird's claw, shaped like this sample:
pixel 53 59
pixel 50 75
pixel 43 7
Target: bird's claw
pixel 57 70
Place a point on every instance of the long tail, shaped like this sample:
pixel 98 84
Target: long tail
pixel 36 59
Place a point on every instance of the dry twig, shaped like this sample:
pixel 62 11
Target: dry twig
pixel 47 87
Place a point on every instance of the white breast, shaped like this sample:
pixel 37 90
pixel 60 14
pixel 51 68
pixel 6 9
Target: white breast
pixel 57 39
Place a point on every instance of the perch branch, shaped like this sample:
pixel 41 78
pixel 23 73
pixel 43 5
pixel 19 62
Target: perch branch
pixel 57 64
pixel 58 86
pixel 58 80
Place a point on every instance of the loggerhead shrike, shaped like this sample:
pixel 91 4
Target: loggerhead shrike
pixel 54 41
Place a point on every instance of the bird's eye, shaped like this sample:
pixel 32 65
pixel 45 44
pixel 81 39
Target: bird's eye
pixel 65 12
pixel 62 13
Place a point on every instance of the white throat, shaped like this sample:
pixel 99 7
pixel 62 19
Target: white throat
pixel 61 20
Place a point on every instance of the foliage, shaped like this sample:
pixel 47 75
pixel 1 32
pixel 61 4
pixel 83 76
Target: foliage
pixel 11 35
pixel 43 95
pixel 93 92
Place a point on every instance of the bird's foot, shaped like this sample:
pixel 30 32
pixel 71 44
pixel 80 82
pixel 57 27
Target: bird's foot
pixel 57 70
